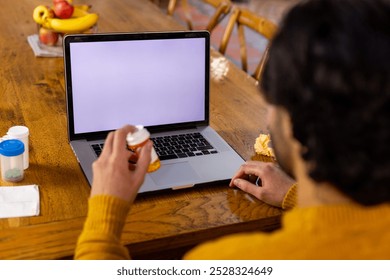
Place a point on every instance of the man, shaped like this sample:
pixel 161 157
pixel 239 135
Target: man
pixel 327 80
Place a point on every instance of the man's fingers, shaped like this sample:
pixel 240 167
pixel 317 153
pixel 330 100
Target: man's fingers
pixel 255 168
pixel 119 141
pixel 248 187
pixel 250 168
pixel 144 158
pixel 240 174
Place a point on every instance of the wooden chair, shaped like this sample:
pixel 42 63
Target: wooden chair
pixel 222 8
pixel 245 18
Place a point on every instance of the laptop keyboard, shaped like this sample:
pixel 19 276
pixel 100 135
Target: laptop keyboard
pixel 182 146
pixel 97 148
pixel 176 146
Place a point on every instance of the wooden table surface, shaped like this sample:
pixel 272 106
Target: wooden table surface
pixel 160 225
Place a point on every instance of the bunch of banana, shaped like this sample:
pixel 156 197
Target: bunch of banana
pixel 80 21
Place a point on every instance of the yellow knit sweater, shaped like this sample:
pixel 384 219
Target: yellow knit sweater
pixel 347 231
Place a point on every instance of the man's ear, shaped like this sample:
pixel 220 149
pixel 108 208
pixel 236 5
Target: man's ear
pixel 287 129
pixel 286 123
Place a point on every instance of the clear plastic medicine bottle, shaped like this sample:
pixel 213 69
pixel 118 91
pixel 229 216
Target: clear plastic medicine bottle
pixel 11 157
pixel 138 139
pixel 21 133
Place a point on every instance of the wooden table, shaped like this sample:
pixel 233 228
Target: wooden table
pixel 160 225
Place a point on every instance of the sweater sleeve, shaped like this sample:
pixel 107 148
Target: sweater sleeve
pixel 290 199
pixel 100 238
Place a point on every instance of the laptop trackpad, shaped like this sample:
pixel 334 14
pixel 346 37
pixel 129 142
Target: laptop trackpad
pixel 174 174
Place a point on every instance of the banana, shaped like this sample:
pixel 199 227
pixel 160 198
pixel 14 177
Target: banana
pixel 80 21
pixel 41 13
pixel 73 25
pixel 83 7
pixel 79 11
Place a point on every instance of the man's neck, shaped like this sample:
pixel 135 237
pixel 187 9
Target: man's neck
pixel 314 194
pixel 311 193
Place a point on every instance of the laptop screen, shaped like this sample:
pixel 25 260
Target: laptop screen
pixel 153 79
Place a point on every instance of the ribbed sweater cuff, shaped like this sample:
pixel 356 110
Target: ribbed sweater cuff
pixel 106 214
pixel 290 199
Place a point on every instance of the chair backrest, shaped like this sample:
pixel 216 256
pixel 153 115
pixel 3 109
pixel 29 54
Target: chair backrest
pixel 222 8
pixel 245 18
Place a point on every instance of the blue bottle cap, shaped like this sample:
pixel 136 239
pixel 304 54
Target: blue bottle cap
pixel 11 148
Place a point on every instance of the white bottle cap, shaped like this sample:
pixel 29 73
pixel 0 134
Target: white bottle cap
pixel 18 131
pixel 138 136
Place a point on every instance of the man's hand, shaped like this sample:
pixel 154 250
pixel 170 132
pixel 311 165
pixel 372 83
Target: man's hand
pixel 118 171
pixel 273 182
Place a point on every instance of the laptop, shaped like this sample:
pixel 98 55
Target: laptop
pixel 156 79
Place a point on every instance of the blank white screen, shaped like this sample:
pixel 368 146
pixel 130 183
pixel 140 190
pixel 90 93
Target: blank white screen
pixel 149 82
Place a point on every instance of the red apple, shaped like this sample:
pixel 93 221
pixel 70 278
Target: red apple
pixel 51 12
pixel 63 9
pixel 47 36
pixel 57 1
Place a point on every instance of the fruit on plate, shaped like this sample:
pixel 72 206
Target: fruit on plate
pixel 80 20
pixel 47 36
pixel 63 9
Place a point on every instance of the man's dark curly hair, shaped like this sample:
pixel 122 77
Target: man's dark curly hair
pixel 329 67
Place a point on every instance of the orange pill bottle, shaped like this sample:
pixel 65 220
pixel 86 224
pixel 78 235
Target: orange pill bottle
pixel 138 139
